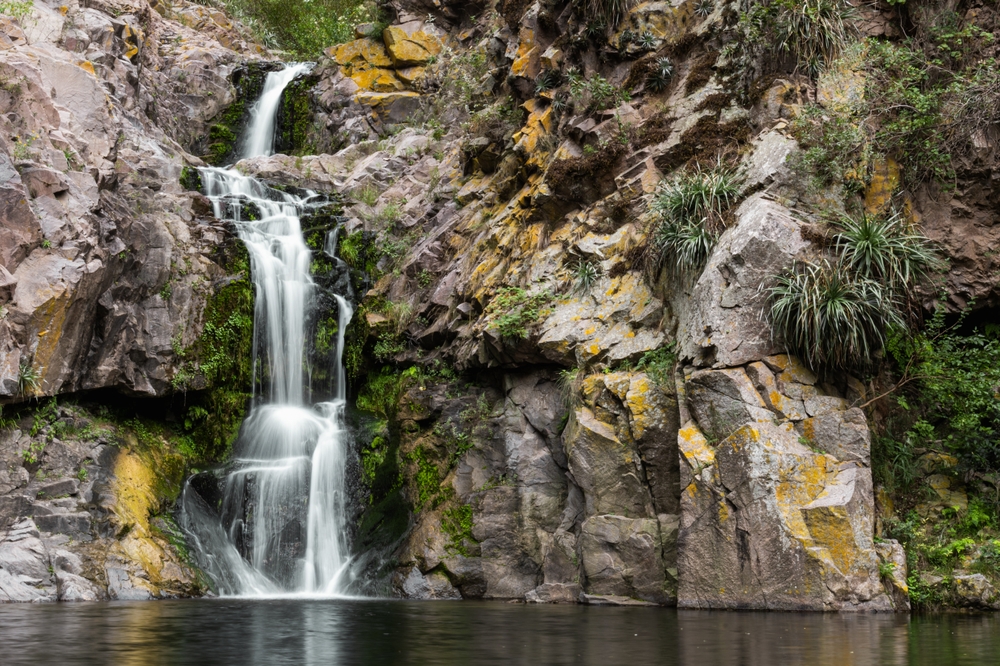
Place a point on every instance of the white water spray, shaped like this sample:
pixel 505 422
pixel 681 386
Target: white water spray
pixel 259 137
pixel 289 467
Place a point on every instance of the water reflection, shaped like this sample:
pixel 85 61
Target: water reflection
pixel 279 631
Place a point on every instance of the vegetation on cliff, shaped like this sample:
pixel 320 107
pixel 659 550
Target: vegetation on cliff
pixel 303 28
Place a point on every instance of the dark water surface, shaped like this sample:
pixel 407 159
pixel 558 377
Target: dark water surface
pixel 228 631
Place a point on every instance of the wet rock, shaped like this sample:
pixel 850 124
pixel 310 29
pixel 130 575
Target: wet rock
pixel 432 586
pixel 974 591
pixel 24 565
pixel 624 557
pixel 554 593
pixel 892 557
pixel 606 469
pixel 408 50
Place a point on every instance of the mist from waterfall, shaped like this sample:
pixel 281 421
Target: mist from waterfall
pixel 280 527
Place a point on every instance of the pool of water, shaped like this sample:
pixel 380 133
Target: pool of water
pixel 284 631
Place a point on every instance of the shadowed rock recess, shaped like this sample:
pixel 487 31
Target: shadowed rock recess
pixel 545 404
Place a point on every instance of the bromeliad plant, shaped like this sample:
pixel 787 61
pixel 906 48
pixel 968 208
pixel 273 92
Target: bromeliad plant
pixel 885 248
pixel 839 313
pixel 691 209
pixel 832 317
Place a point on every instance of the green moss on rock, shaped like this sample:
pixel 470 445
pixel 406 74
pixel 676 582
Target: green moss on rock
pixel 219 365
pixel 226 128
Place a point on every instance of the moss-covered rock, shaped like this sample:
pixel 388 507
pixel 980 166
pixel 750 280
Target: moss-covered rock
pixel 227 128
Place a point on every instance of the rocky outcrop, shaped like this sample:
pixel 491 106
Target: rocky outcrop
pixel 107 262
pixel 82 512
pixel 554 515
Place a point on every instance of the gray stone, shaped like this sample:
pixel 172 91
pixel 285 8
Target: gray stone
pixel 892 556
pixel 769 524
pixel 59 488
pixel 75 524
pixel 721 321
pixel 842 434
pixel 24 565
pixel 554 593
pixel 974 591
pixel 432 586
pixel 723 400
pixel 624 557
pixel 605 468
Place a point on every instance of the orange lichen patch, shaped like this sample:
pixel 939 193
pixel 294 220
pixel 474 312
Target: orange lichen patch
pixel 791 369
pixel 885 181
pixel 407 50
pixel 411 75
pixel 87 65
pixel 365 50
pixel 527 60
pixel 376 79
pixel 538 124
pixel 133 487
pixel 49 318
pixel 662 20
pixel 694 447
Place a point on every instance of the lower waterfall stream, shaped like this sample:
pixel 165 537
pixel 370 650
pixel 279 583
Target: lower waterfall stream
pixel 280 525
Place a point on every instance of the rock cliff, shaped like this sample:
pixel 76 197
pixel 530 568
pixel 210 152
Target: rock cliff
pixel 548 411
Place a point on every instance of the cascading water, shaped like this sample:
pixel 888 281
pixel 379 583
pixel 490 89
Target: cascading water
pixel 288 473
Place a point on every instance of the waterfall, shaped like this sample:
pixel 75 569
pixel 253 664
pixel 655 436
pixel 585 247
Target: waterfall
pixel 259 137
pixel 281 523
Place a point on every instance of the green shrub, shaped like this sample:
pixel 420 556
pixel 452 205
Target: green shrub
pixel 691 209
pixel 659 76
pixel 931 94
pixel 380 394
pixel 585 274
pixel 513 310
pixel 302 27
pixel 659 365
pixel 835 146
pixel 17 9
pixel 956 392
pixel 28 379
pixel 457 523
pixel 832 317
pixel 810 32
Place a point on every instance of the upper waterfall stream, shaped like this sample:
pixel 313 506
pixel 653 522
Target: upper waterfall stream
pixel 280 527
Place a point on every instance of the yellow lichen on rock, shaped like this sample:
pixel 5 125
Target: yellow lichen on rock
pixel 408 50
pixel 884 183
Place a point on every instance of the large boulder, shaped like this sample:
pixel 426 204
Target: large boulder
pixel 770 524
pixel 722 318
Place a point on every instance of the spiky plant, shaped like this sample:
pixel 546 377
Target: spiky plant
pixel 627 37
pixel 685 245
pixel 831 316
pixel 647 41
pixel 659 77
pixel 814 31
pixel 595 29
pixel 546 80
pixel 586 274
pixel 886 249
pixel 691 208
pixel 608 12
pixel 704 7
pixel 569 386
pixel 28 379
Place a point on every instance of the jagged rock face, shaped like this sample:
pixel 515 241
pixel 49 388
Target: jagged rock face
pixel 105 264
pixel 773 516
pixel 78 525
pixel 555 514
